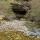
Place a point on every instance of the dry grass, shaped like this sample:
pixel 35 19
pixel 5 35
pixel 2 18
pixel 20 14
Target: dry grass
pixel 15 35
pixel 35 8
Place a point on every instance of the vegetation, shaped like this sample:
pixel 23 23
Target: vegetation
pixel 33 20
pixel 15 35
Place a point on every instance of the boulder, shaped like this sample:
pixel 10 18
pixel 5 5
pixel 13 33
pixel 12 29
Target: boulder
pixel 20 9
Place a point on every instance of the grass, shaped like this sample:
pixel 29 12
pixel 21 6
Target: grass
pixel 15 35
pixel 12 35
pixel 35 8
pixel 5 7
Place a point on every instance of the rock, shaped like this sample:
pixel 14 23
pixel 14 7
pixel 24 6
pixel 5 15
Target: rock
pixel 20 9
